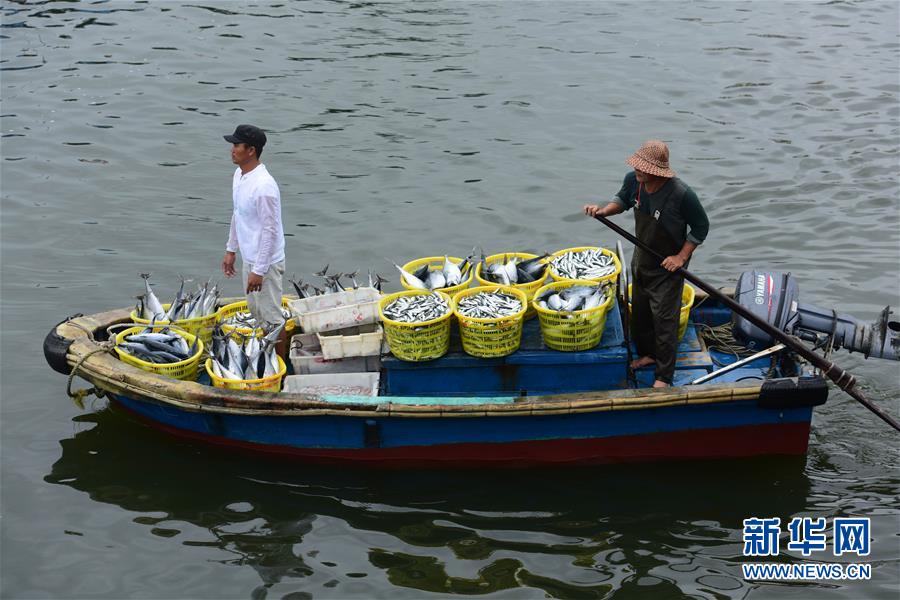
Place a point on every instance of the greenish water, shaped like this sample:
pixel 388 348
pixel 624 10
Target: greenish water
pixel 403 130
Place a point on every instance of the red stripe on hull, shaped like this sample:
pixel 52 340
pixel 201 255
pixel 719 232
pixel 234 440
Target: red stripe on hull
pixel 731 442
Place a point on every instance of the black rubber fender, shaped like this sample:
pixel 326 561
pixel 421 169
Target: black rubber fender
pixel 55 349
pixel 793 392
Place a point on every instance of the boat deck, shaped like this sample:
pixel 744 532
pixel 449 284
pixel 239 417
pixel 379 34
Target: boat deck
pixel 534 407
pixel 536 370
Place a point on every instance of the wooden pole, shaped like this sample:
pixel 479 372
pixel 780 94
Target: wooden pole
pixel 839 376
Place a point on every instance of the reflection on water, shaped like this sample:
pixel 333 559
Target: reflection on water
pixel 452 531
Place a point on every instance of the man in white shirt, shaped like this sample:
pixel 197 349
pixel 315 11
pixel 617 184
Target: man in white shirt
pixel 256 228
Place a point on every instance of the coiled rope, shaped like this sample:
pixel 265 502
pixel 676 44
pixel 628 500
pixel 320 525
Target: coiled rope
pixel 78 396
pixel 721 338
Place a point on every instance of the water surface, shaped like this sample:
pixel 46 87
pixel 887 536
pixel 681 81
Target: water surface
pixel 402 130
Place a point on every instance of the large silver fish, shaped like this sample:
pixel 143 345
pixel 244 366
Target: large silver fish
pixel 152 306
pixel 498 273
pixel 513 271
pixel 160 347
pixel 253 358
pixel 176 303
pixel 410 279
pixel 574 298
pixel 436 280
pixel 448 274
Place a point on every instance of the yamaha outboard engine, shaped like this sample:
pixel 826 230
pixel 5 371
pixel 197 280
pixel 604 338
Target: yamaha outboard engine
pixel 774 297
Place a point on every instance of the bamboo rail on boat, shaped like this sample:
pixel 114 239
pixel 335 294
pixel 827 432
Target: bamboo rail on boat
pixel 108 373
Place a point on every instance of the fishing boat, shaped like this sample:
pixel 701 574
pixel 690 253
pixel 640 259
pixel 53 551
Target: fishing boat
pixel 533 407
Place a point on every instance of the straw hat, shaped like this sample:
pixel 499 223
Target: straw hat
pixel 652 157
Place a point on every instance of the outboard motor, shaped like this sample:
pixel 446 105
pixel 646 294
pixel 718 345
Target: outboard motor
pixel 774 298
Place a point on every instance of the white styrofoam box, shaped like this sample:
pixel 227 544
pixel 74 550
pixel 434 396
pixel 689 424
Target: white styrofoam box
pixel 307 341
pixel 335 300
pixel 337 311
pixel 343 384
pixel 307 362
pixel 362 340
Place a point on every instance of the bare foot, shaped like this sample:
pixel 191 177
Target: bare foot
pixel 660 384
pixel 644 361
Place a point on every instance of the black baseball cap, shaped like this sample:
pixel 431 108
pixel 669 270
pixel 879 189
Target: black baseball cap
pixel 247 134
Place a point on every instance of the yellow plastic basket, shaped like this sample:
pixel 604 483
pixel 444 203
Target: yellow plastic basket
pixel 185 370
pixel 416 342
pixel 572 331
pixel 241 306
pixel 528 288
pixel 272 383
pixel 612 277
pixel 486 338
pixel 687 301
pixel 202 326
pixel 436 263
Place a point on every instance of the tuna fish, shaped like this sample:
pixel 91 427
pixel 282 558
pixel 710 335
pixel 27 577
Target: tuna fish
pixel 584 264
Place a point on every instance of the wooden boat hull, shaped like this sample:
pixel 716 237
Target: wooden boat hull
pixel 741 429
pixel 727 420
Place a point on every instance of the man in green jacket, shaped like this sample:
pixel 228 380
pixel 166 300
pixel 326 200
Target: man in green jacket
pixel 669 218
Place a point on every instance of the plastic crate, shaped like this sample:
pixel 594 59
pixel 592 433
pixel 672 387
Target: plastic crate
pixel 688 294
pixel 572 331
pixel 201 326
pixel 436 263
pixel 185 370
pixel 345 384
pixel 241 306
pixel 486 338
pixel 272 383
pixel 612 277
pixel 529 288
pixel 306 361
pixel 363 340
pixel 337 311
pixel 420 341
pixel 307 341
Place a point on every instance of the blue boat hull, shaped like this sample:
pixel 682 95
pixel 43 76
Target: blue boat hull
pixel 534 407
pixel 719 430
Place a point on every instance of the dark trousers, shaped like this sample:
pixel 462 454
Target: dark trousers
pixel 655 308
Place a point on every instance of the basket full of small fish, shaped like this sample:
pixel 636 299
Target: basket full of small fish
pixel 585 262
pixel 194 312
pixel 417 324
pixel 521 270
pixel 164 350
pixel 239 362
pixel 448 274
pixel 490 319
pixel 572 313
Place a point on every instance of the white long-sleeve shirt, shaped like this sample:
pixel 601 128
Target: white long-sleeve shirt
pixel 256 228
